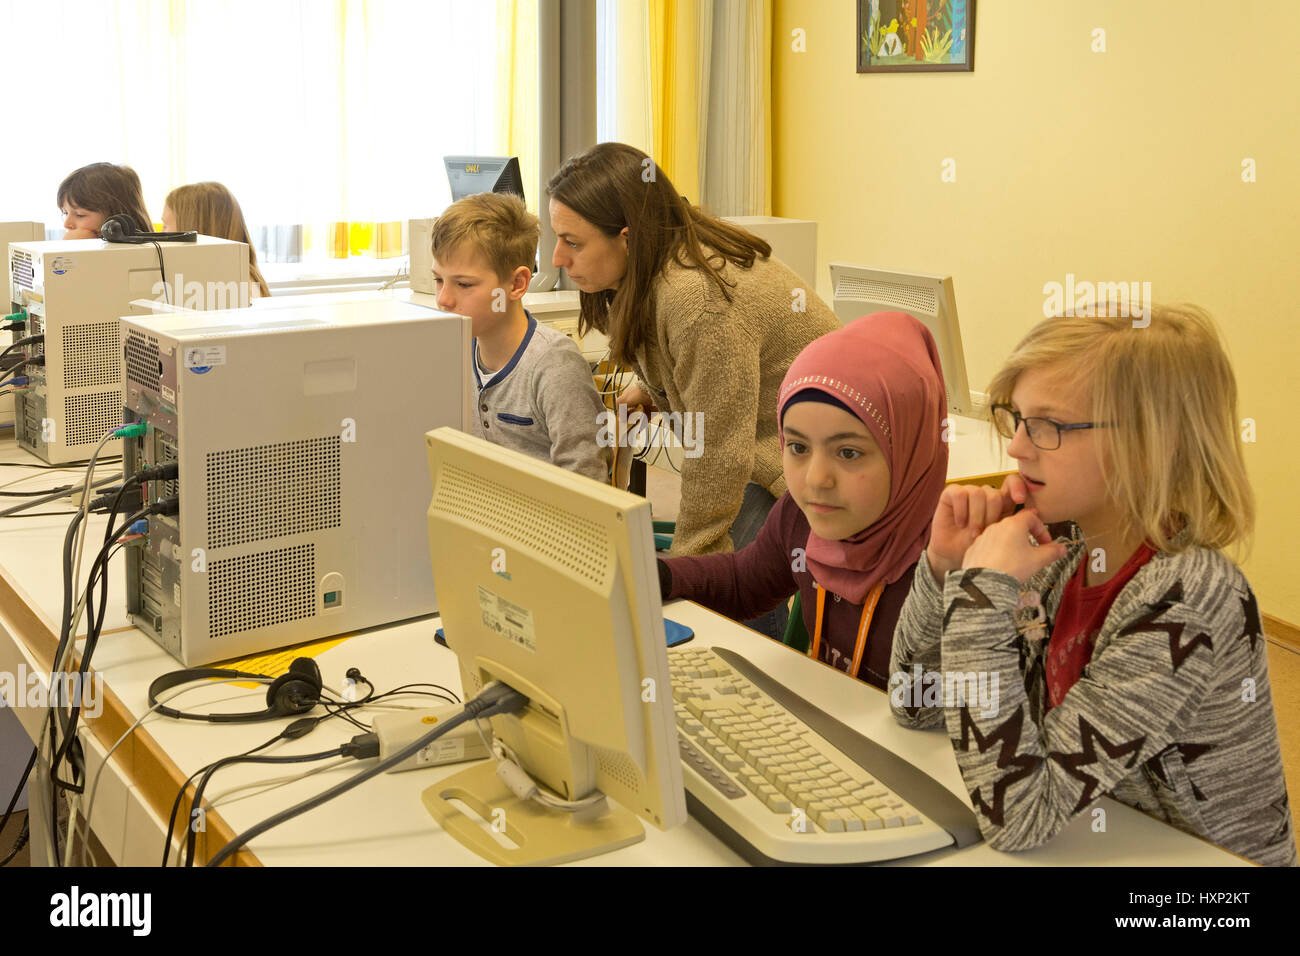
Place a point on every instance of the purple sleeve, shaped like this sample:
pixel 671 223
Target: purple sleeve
pixel 749 582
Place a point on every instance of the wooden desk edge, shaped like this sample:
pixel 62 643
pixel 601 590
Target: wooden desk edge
pixel 157 777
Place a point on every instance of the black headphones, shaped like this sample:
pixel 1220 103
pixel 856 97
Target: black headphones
pixel 122 228
pixel 293 693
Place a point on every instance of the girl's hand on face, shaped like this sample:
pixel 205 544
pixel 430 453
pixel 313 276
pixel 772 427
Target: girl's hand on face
pixel 634 396
pixel 964 512
pixel 81 234
pixel 1009 546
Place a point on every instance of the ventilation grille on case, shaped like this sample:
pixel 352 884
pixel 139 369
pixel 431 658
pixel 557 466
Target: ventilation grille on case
pixel 261 590
pixel 618 766
pixel 143 363
pixel 571 541
pixel 906 297
pixel 90 417
pixel 20 265
pixel 35 326
pixel 91 355
pixel 167 453
pixel 269 491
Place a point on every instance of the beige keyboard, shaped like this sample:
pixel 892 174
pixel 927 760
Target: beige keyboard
pixel 785 793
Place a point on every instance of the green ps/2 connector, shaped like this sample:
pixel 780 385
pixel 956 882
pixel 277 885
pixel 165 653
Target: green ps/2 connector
pixel 133 430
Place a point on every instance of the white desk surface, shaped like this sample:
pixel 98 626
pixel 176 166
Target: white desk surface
pixel 383 821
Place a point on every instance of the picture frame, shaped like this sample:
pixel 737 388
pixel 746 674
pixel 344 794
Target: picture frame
pixel 916 36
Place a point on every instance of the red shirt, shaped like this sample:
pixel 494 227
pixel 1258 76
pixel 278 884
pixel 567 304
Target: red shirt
pixel 1082 612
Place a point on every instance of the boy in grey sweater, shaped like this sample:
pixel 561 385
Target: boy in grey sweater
pixel 534 391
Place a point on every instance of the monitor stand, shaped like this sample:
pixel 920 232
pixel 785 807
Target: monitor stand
pixel 542 836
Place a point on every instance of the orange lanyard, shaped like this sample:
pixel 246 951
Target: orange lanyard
pixel 868 609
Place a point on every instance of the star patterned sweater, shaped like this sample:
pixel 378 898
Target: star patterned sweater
pixel 1171 715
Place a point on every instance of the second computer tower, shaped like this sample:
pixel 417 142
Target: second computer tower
pixel 302 479
pixel 74 292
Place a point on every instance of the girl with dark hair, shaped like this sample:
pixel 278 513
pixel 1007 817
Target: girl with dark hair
pixel 93 193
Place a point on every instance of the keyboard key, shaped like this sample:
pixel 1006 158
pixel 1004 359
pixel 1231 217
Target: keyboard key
pixel 829 822
pixel 869 820
pixel 778 804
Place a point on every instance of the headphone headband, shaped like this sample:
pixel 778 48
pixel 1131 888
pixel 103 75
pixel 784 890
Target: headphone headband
pixel 294 692
pixel 122 228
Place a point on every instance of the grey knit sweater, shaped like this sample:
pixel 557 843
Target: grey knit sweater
pixel 1172 715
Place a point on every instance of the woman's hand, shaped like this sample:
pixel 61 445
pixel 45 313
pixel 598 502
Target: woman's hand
pixel 1020 546
pixel 634 396
pixel 964 512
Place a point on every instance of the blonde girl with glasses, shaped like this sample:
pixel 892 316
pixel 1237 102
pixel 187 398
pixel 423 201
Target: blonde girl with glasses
pixel 1126 646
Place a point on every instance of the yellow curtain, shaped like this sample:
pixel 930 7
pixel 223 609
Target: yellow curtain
pixel 517 117
pixel 674 91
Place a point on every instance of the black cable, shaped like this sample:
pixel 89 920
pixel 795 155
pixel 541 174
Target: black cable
pixel 99 567
pixel 494 699
pixel 30 340
pixel 69 466
pixel 180 794
pixel 12 371
pixel 191 840
pixel 163 272
pixel 34 494
pixel 94 624
pixel 23 834
pixel 51 496
pixel 65 626
pixel 13 802
pixel 42 514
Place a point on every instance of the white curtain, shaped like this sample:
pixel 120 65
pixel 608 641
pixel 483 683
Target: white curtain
pixel 727 113
pixel 311 111
pixel 734 102
pixel 623 74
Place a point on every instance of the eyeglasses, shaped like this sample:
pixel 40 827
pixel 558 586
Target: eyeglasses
pixel 1044 433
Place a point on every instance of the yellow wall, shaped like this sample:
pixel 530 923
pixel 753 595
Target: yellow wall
pixel 1123 165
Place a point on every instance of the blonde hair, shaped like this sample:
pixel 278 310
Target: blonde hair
pixel 212 210
pixel 497 225
pixel 1168 396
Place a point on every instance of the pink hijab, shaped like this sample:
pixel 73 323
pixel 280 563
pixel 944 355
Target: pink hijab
pixel 885 368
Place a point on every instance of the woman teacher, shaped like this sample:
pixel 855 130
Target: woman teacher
pixel 707 319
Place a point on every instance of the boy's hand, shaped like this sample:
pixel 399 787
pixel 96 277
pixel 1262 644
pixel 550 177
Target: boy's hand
pixel 634 396
pixel 964 512
pixel 1008 546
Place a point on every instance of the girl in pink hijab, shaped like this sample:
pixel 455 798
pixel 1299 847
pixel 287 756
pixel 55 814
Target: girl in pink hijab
pixel 860 415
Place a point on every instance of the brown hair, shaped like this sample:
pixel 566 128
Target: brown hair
pixel 104 187
pixel 496 225
pixel 212 210
pixel 613 186
pixel 1167 391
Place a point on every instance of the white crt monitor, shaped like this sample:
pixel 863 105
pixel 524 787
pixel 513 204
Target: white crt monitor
pixel 859 291
pixel 546 581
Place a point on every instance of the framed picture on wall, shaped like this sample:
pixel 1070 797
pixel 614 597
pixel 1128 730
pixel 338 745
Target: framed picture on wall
pixel 916 36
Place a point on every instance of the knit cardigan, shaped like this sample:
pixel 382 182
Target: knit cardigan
pixel 726 360
pixel 1172 714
